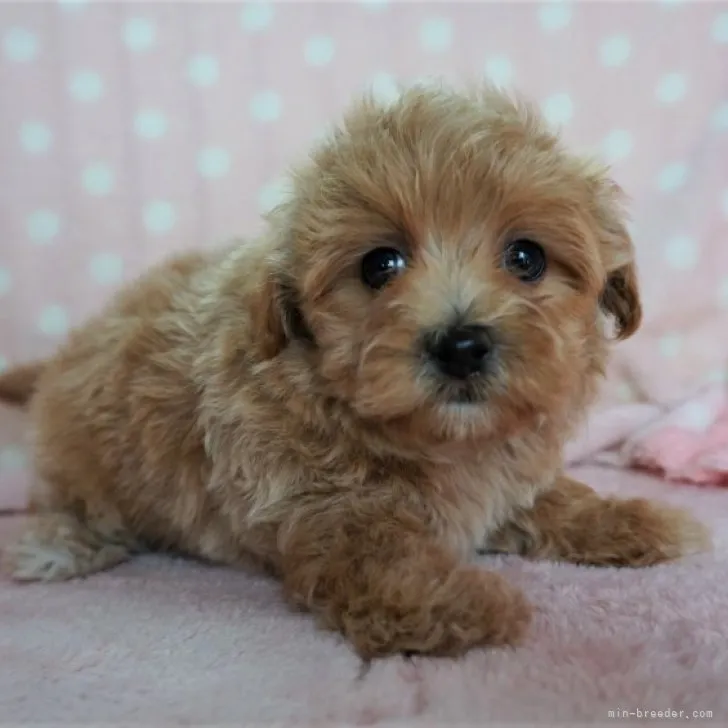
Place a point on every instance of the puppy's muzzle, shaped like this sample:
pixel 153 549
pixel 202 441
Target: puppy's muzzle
pixel 461 351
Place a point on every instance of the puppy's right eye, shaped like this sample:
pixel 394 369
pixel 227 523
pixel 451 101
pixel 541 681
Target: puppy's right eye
pixel 380 266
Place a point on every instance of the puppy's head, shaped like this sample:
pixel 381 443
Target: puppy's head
pixel 444 263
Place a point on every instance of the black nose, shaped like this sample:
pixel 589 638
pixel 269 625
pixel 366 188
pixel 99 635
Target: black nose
pixel 461 351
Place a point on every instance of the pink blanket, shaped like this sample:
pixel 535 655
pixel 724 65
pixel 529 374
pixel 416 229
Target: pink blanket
pixel 166 642
pixel 686 441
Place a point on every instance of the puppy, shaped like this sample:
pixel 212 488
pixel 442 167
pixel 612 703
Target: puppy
pixel 374 390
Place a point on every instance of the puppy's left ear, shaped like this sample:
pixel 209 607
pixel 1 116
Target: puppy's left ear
pixel 621 294
pixel 621 298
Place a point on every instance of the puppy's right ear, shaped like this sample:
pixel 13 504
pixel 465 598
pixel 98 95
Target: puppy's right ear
pixel 275 313
pixel 267 315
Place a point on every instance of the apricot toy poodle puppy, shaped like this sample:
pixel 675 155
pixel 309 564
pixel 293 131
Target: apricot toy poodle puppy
pixel 377 388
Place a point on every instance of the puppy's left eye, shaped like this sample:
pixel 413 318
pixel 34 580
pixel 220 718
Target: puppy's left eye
pixel 380 266
pixel 525 259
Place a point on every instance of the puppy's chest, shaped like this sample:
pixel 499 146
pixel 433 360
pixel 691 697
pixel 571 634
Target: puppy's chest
pixel 473 499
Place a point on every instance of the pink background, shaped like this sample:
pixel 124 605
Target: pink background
pixel 129 130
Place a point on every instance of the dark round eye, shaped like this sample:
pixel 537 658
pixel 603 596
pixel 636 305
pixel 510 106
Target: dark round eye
pixel 380 266
pixel 525 259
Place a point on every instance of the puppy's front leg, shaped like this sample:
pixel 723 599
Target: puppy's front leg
pixel 382 580
pixel 573 523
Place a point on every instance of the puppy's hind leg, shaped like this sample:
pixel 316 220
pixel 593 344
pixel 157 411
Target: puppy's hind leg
pixel 58 546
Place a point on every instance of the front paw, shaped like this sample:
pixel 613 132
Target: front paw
pixel 470 608
pixel 638 532
pixel 571 522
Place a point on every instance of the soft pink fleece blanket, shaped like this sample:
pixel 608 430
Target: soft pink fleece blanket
pixel 161 641
pixel 684 441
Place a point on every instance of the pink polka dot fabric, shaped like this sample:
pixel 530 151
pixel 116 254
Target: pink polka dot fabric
pixel 130 130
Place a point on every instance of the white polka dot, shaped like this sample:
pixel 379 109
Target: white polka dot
pixel 385 88
pixel 150 124
pixel 265 106
pixel 319 51
pixel 213 162
pixel 43 226
pixel 35 137
pixel 374 5
pixel 139 34
pixel 53 321
pixel 554 15
pixel 672 177
pixel 5 281
pixel 203 70
pixel 615 51
pixel 86 86
pixel 436 34
pixel 617 145
pixel 719 118
pixel 669 345
pixel 98 179
pixel 12 459
pixel 20 45
pixel 159 217
pixel 723 293
pixel 3 363
pixel 558 109
pixel 256 16
pixel 681 253
pixel 499 70
pixel 72 4
pixel 671 88
pixel 696 416
pixel 719 29
pixel 106 268
pixel 724 202
pixel 274 194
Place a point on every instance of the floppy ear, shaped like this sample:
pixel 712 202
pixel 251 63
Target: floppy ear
pixel 275 313
pixel 621 294
pixel 267 316
pixel 621 298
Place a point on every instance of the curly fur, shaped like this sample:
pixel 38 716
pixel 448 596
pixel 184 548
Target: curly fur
pixel 256 403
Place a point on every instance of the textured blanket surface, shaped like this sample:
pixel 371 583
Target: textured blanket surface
pixel 164 641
